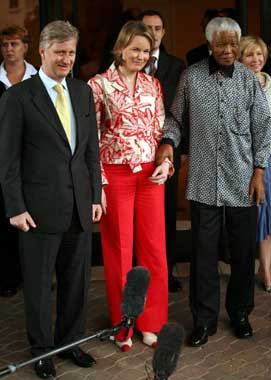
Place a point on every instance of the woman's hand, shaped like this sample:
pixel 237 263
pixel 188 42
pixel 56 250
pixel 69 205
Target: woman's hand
pixel 104 204
pixel 160 174
pixel 96 213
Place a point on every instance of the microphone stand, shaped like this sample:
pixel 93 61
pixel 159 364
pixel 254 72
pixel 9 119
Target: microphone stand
pixel 127 322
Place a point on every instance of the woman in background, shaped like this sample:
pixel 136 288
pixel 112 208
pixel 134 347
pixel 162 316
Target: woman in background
pixel 14 42
pixel 254 54
pixel 130 116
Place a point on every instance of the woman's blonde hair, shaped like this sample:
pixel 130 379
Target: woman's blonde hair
pixel 249 42
pixel 130 30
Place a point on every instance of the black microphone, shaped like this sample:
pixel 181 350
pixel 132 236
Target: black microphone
pixel 133 302
pixel 134 294
pixel 167 351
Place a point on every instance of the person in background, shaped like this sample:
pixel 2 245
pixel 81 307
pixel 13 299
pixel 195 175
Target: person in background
pixel 14 42
pixel 222 104
pixel 253 54
pixel 202 51
pixel 107 58
pixel 167 69
pixel 130 116
pixel 51 181
pixel 267 66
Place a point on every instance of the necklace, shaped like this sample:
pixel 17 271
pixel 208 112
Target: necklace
pixel 126 78
pixel 129 80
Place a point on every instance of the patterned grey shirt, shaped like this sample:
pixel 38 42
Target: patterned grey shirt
pixel 229 132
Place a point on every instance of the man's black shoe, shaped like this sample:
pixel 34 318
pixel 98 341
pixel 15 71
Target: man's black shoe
pixel 174 283
pixel 242 328
pixel 45 369
pixel 199 335
pixel 78 357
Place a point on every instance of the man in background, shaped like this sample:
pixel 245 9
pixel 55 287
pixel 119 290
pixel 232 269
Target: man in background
pixel 167 69
pixel 202 51
pixel 14 43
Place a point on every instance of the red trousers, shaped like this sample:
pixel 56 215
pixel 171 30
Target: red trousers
pixel 135 219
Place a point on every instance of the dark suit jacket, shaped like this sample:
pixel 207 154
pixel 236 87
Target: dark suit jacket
pixel 197 54
pixel 38 172
pixel 2 88
pixel 2 204
pixel 168 73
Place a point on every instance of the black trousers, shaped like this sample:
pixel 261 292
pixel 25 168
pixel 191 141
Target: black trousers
pixel 10 268
pixel 171 199
pixel 241 226
pixel 68 254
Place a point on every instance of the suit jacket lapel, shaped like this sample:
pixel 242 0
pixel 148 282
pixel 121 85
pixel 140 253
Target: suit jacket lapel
pixel 76 108
pixel 162 66
pixel 43 102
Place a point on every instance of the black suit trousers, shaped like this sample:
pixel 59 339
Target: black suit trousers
pixel 241 226
pixel 10 268
pixel 68 254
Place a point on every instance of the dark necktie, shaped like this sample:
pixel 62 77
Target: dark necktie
pixel 152 65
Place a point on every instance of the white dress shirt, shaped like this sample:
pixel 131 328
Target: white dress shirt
pixel 29 71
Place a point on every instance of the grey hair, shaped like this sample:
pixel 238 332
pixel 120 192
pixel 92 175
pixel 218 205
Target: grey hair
pixel 221 24
pixel 59 31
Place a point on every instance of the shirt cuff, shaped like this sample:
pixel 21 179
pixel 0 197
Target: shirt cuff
pixel 167 141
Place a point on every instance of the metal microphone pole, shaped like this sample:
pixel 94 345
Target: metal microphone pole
pixel 102 335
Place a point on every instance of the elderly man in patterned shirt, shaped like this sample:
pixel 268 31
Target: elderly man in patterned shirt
pixel 222 103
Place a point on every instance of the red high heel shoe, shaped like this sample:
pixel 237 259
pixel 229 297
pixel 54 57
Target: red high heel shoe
pixel 149 338
pixel 124 345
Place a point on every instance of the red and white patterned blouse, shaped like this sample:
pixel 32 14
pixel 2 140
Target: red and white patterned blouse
pixel 130 127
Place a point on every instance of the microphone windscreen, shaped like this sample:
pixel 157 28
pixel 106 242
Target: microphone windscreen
pixel 134 294
pixel 167 351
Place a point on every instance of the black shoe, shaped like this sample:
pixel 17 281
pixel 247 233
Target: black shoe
pixel 199 335
pixel 45 369
pixel 78 357
pixel 174 283
pixel 242 328
pixel 8 292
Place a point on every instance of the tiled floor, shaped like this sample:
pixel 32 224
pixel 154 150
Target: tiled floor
pixel 223 358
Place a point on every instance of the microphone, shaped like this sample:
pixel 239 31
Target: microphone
pixel 167 351
pixel 134 294
pixel 133 302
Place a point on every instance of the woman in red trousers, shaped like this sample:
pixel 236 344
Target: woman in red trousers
pixel 130 116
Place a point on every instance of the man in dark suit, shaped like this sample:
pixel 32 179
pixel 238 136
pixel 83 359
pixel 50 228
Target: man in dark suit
pixel 10 269
pixel 167 69
pixel 51 180
pixel 202 51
